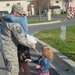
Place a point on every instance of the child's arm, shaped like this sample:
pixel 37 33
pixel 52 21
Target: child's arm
pixel 2 15
pixel 28 60
pixel 34 61
pixel 12 18
pixel 7 17
pixel 31 60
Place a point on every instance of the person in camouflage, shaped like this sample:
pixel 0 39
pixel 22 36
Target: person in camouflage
pixel 12 35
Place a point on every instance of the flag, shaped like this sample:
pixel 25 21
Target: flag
pixel 67 5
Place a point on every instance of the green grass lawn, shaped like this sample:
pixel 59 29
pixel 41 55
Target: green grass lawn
pixel 52 37
pixel 31 21
pixel 60 15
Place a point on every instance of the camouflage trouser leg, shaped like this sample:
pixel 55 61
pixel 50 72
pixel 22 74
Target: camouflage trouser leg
pixel 12 67
pixel 11 61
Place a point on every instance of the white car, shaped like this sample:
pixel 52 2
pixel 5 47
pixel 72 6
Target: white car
pixel 3 12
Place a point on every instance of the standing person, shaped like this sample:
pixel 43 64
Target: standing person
pixel 43 62
pixel 20 18
pixel 23 51
pixel 23 54
pixel 12 34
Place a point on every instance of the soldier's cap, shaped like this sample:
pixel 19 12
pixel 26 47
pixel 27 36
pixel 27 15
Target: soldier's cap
pixel 18 8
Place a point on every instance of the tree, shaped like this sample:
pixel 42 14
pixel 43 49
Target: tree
pixel 39 5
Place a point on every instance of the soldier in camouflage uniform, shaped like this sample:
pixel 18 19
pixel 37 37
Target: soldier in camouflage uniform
pixel 12 34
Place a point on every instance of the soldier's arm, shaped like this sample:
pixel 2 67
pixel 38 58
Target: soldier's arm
pixel 19 35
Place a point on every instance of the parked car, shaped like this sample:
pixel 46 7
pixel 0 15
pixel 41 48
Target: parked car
pixel 4 11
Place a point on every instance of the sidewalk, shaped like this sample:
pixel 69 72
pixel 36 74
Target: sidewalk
pixel 44 23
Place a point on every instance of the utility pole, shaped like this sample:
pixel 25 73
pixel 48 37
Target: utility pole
pixel 49 11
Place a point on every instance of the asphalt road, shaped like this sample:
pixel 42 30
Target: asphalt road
pixel 64 22
pixel 33 29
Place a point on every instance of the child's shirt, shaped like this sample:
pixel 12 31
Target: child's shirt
pixel 44 63
pixel 22 20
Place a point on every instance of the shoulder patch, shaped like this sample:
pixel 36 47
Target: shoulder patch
pixel 18 29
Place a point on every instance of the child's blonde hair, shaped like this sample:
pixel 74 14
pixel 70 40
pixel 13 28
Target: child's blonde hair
pixel 47 52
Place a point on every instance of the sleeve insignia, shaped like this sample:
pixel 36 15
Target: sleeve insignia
pixel 18 29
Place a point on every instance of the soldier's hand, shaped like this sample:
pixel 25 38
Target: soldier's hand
pixel 34 47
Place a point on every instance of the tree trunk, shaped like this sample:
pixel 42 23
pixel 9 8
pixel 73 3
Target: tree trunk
pixel 39 14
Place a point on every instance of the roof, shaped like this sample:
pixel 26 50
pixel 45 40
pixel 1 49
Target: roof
pixel 55 7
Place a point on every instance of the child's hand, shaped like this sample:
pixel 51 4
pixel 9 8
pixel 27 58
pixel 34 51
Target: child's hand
pixel 37 66
pixel 28 60
pixel 2 15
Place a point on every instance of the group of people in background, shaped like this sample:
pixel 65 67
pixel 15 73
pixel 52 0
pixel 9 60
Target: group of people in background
pixel 15 46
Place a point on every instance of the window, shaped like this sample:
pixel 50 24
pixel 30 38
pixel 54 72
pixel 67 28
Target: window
pixel 4 12
pixel 7 4
pixel 57 1
pixel 18 3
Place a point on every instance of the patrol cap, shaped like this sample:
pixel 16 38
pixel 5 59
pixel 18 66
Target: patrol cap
pixel 18 8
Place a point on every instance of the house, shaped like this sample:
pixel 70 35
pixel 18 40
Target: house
pixel 57 6
pixel 7 4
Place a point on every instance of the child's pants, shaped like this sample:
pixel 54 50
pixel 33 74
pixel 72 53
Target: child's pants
pixel 43 74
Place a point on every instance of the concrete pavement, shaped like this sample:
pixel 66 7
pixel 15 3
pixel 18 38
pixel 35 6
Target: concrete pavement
pixel 44 23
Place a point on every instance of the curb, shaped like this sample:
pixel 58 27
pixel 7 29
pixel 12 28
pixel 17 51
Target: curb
pixel 62 64
pixel 44 23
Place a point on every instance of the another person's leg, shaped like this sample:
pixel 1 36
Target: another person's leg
pixel 25 68
pixel 23 53
pixel 20 69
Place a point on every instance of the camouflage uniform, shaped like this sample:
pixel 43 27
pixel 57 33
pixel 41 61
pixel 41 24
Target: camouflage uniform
pixel 11 34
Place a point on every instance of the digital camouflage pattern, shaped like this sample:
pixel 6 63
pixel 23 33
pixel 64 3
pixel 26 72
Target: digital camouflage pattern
pixel 11 34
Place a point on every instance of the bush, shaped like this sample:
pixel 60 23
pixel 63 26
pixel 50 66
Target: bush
pixel 63 12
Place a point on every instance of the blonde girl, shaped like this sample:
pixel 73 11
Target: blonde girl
pixel 43 62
